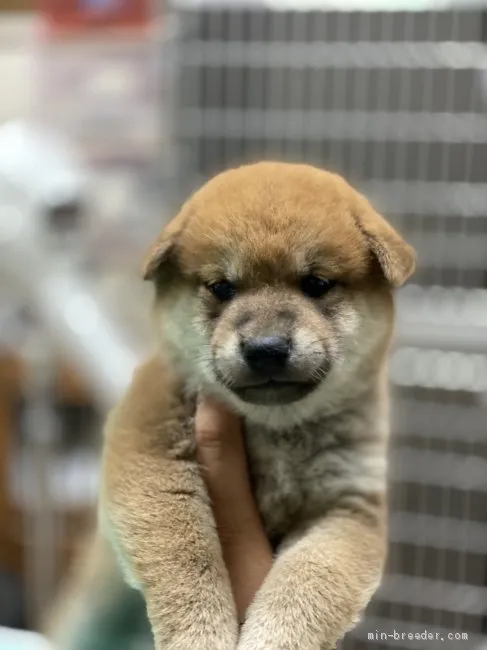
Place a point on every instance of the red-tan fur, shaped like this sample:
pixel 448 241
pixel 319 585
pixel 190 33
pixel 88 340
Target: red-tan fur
pixel 318 464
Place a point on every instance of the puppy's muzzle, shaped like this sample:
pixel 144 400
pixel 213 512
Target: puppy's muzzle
pixel 266 355
pixel 270 377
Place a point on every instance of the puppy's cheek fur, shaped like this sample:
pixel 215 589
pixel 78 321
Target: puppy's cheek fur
pixel 314 350
pixel 326 337
pixel 362 323
pixel 347 321
pixel 225 351
pixel 377 312
pixel 181 329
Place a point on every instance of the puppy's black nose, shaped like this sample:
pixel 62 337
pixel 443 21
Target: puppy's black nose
pixel 266 354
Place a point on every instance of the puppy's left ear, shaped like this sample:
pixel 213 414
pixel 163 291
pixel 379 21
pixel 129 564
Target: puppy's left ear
pixel 396 258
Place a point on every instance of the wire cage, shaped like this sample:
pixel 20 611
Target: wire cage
pixel 396 101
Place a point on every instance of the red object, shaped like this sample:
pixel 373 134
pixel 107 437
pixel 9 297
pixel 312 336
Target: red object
pixel 89 15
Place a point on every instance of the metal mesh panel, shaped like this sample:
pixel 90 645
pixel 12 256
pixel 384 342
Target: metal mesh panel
pixel 396 102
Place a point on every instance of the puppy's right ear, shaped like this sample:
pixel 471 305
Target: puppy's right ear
pixel 163 250
pixel 159 253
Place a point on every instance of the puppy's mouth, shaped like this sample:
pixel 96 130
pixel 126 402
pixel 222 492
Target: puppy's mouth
pixel 273 391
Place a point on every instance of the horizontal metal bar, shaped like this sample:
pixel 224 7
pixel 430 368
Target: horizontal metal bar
pixel 438 532
pixel 441 469
pixel 377 126
pixel 448 55
pixel 441 422
pixel 436 594
pixel 344 6
pixel 456 306
pixel 448 318
pixel 450 250
pixel 448 337
pixel 439 369
pixel 428 198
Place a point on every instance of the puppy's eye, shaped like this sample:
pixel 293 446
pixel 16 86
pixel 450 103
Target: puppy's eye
pixel 316 287
pixel 223 290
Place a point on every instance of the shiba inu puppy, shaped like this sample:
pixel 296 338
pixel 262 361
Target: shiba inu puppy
pixel 274 293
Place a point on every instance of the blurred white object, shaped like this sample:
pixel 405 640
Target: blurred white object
pixel 38 175
pixel 17 640
pixel 38 171
pixel 69 310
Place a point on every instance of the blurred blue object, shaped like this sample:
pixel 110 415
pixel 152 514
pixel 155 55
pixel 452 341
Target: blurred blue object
pixel 101 6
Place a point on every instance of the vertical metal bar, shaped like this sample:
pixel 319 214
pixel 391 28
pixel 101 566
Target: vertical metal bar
pixel 420 563
pixel 339 88
pixel 399 172
pixel 439 278
pixel 461 281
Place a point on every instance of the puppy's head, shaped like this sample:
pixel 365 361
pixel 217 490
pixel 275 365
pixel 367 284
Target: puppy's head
pixel 274 284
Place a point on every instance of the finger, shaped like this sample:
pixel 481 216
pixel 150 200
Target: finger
pixel 215 423
pixel 222 457
pixel 218 434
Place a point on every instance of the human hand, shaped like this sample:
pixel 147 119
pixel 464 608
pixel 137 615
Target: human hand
pixel 221 452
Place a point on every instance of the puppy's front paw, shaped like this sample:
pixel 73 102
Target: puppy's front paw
pixel 271 636
pixel 200 640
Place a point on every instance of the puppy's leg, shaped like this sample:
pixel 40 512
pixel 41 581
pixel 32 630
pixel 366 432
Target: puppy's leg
pixel 319 585
pixel 156 512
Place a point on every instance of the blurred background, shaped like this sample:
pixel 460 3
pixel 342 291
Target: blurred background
pixel 111 112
